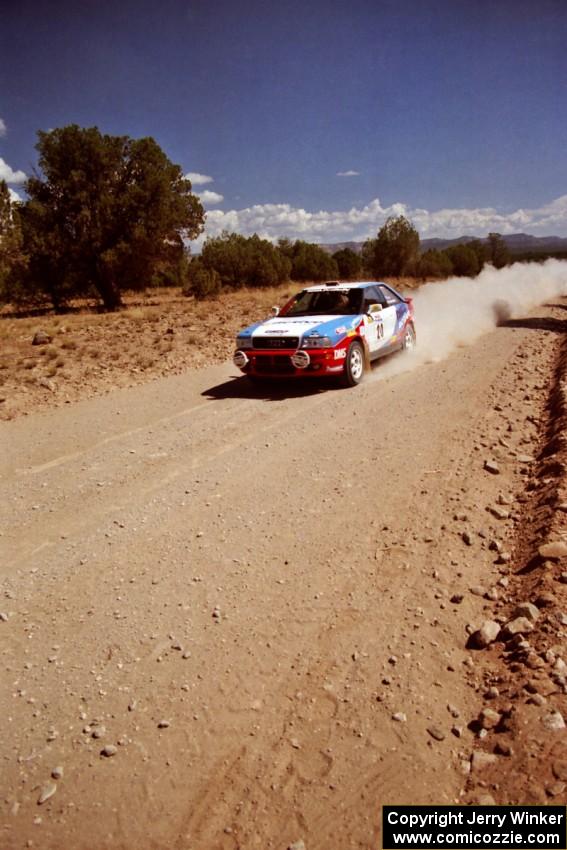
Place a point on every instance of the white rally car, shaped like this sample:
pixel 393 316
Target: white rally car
pixel 330 329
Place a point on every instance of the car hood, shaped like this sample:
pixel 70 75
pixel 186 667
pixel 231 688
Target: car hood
pixel 335 327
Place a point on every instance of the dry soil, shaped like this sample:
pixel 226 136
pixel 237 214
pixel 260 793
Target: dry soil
pixel 235 618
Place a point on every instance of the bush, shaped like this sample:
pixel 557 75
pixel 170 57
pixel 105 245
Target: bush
pixel 434 264
pixel 245 261
pixel 349 264
pixel 201 281
pixel 310 262
pixel 465 260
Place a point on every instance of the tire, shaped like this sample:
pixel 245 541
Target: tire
pixel 409 340
pixel 354 365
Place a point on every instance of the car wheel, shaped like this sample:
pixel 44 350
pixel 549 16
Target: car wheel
pixel 409 340
pixel 354 365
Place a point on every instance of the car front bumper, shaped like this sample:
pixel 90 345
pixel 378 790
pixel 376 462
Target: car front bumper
pixel 286 364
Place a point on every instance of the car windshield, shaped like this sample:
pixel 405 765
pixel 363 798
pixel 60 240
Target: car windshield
pixel 334 302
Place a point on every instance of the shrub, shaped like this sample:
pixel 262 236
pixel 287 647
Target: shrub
pixel 202 282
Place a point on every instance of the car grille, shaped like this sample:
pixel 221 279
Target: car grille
pixel 271 342
pixel 274 365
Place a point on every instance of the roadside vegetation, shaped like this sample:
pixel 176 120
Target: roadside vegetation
pixel 105 215
pixel 96 261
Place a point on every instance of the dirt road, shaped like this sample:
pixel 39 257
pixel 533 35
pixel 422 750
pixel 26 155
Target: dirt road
pixel 250 598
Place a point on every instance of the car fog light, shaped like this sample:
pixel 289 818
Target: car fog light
pixel 240 359
pixel 300 359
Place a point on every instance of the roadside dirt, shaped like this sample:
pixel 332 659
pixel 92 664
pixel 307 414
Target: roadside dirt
pixel 158 334
pixel 261 602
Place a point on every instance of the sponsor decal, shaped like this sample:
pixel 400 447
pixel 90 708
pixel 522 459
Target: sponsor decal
pixel 341 330
pixel 352 333
pixel 340 353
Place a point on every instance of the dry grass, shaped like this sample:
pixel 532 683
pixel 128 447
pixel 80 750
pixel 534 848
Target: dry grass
pixel 162 333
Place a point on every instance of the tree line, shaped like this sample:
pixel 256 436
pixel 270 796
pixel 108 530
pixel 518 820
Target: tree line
pixel 105 214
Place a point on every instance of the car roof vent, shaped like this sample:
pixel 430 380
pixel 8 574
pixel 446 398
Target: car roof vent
pixel 331 283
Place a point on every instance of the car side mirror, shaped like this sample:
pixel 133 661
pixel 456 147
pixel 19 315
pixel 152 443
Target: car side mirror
pixel 275 311
pixel 374 308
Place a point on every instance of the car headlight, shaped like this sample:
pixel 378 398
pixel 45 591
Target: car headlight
pixel 316 342
pixel 244 342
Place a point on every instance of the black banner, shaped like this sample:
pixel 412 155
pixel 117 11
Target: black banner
pixel 464 827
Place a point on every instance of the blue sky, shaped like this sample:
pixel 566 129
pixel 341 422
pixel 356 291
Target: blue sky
pixel 311 120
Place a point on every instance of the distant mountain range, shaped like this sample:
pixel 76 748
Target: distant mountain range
pixel 518 243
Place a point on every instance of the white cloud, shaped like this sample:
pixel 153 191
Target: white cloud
pixel 198 179
pixel 14 195
pixel 348 173
pixel 10 176
pixel 272 221
pixel 208 197
pixel 3 128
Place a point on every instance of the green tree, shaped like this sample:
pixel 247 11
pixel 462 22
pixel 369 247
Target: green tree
pixel 498 252
pixel 464 259
pixel 480 250
pixel 349 264
pixel 245 261
pixel 105 214
pixel 367 257
pixel 311 262
pixel 395 251
pixel 434 264
pixel 12 259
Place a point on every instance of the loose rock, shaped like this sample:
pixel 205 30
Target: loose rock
pixel 499 513
pixel 485 800
pixel 492 467
pixel 489 718
pixel 555 789
pixel 559 769
pixel 480 759
pixel 486 635
pixel 47 791
pixel 436 733
pixel 528 610
pixel 518 626
pixel 554 721
pixel 555 550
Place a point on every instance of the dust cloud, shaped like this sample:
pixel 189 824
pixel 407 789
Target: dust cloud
pixel 457 312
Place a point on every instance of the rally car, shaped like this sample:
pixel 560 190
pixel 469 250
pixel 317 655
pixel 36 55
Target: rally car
pixel 329 329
